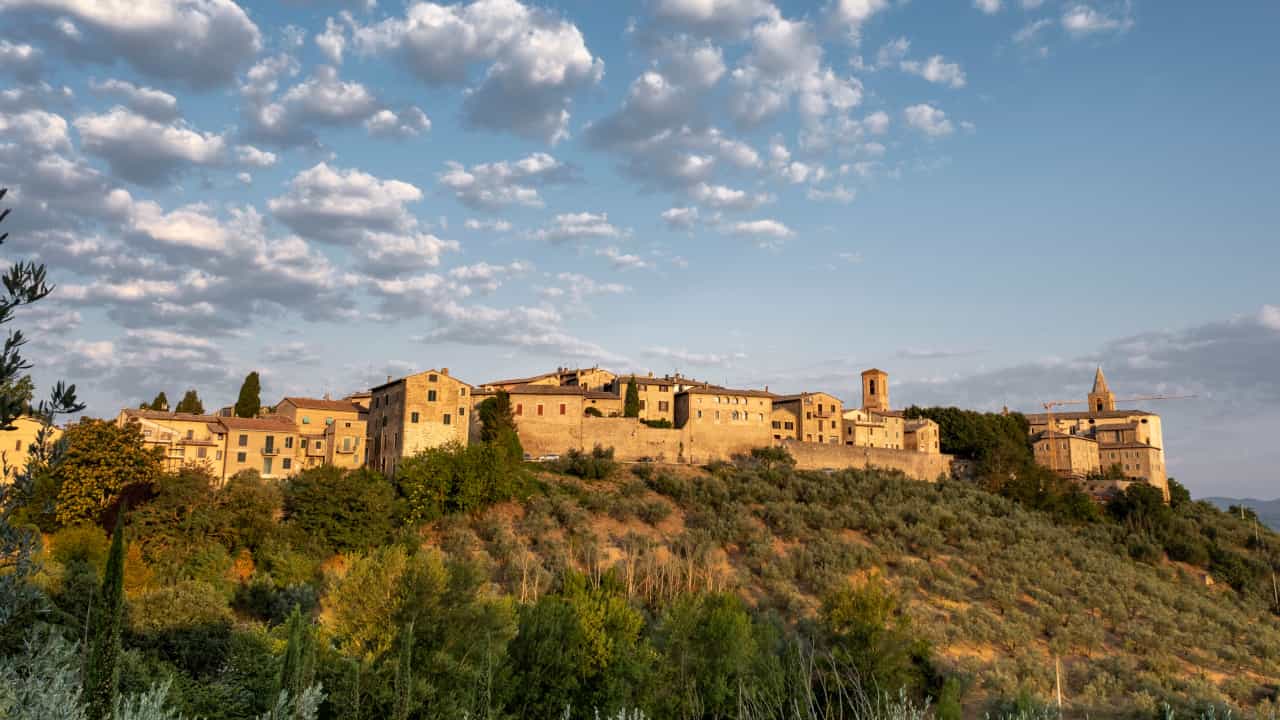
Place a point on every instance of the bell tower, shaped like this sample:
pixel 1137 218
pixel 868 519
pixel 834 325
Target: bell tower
pixel 875 390
pixel 1101 399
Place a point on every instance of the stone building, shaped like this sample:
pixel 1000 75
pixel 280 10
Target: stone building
pixel 818 417
pixel 183 438
pixel 1130 441
pixel 267 445
pixel 414 413
pixel 331 432
pixel 718 422
pixel 15 445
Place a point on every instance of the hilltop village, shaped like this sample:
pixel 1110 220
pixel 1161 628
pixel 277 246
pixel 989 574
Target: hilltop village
pixel 677 420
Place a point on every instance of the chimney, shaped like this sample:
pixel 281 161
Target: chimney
pixel 326 396
pixel 444 372
pixel 388 378
pixel 650 373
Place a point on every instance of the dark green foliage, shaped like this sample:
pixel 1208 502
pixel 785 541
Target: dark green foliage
pixel 457 478
pixel 405 702
pixel 297 667
pixel 498 425
pixel 595 465
pixel 190 403
pixel 102 665
pixel 249 402
pixel 661 423
pixel 593 412
pixel 711 655
pixel 631 403
pixel 339 509
pixel 867 632
pixel 186 623
pixel 159 403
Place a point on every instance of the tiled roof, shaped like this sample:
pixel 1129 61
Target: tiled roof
pixel 163 415
pixel 389 383
pixel 316 404
pixel 1085 415
pixel 1126 446
pixel 574 390
pixel 260 424
pixel 715 390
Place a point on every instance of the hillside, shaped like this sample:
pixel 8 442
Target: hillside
pixel 1268 511
pixel 997 590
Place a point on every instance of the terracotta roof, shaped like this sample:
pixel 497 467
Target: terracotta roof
pixel 874 371
pixel 1065 436
pixel 716 390
pixel 163 415
pixel 574 390
pixel 1084 415
pixel 520 381
pixel 316 404
pixel 259 424
pixel 424 372
pixel 1126 446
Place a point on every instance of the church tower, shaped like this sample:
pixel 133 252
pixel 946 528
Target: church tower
pixel 1101 399
pixel 875 390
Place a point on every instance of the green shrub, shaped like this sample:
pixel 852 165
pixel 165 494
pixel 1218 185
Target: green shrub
pixel 456 478
pixel 340 509
pixel 596 465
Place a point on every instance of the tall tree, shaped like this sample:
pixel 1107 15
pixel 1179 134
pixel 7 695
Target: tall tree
pixel 20 600
pixel 190 403
pixel 102 666
pixel 498 425
pixel 160 403
pixel 404 675
pixel 631 406
pixel 100 459
pixel 250 400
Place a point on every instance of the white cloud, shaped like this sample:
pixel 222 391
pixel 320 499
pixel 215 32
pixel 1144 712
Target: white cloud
pixel 144 151
pixel 21 59
pixel 408 123
pixel 200 43
pixel 1027 33
pixel 245 178
pixel 990 7
pixel 929 120
pixel 839 194
pixel 766 231
pixel 576 287
pixel 155 104
pixel 501 226
pixel 333 41
pixel 490 186
pixel 1269 317
pixel 537 61
pixel 680 218
pixel 253 157
pixel 853 14
pixel 1082 19
pixel 721 197
pixel 623 261
pixel 726 18
pixel 936 70
pixel 580 226
pixel 696 359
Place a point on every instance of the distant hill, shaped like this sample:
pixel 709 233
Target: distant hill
pixel 1268 510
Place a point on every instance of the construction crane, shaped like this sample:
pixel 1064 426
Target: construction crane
pixel 1051 427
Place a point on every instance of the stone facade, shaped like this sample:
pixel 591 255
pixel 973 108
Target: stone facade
pixel 331 432
pixel 421 411
pixel 1130 440
pixel 183 438
pixel 819 416
pixel 15 446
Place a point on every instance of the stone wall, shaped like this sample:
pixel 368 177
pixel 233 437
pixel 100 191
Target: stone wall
pixel 920 466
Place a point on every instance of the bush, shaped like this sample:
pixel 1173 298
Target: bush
pixel 596 465
pixel 452 479
pixel 661 423
pixel 342 510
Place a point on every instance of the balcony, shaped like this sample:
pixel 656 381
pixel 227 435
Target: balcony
pixel 270 450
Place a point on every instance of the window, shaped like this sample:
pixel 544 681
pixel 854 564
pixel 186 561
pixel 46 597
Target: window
pixel 777 424
pixel 431 396
pixel 462 392
pixel 563 408
pixel 202 452
pixel 642 404
pixel 306 419
pixel 217 455
pixel 432 378
pixel 346 424
pixel 304 443
pixel 788 425
pixel 663 406
pixel 240 457
pixel 346 444
pixel 539 409
pixel 413 417
pixel 717 414
pixel 735 414
pixel 699 413
pixel 270 445
pixel 519 409
pixel 462 411
pixel 243 441
pixel 328 421
pixel 286 464
pixel 288 443
pixel 266 466
pixel 191 434
pixel 447 419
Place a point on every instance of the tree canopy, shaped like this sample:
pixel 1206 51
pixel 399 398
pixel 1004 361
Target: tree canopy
pixel 249 402
pixel 101 459
pixel 190 403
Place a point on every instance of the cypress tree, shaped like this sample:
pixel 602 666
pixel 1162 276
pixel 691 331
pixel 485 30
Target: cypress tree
pixel 250 401
pixel 298 668
pixel 161 403
pixel 631 406
pixel 102 667
pixel 404 675
pixel 190 403
pixel 498 425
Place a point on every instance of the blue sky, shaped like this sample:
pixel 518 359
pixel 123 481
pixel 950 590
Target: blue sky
pixel 986 199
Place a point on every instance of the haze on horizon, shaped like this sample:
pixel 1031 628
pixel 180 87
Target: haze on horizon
pixel 987 199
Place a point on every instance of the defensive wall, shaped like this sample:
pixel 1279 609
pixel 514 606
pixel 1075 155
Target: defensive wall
pixel 631 441
pixel 918 465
